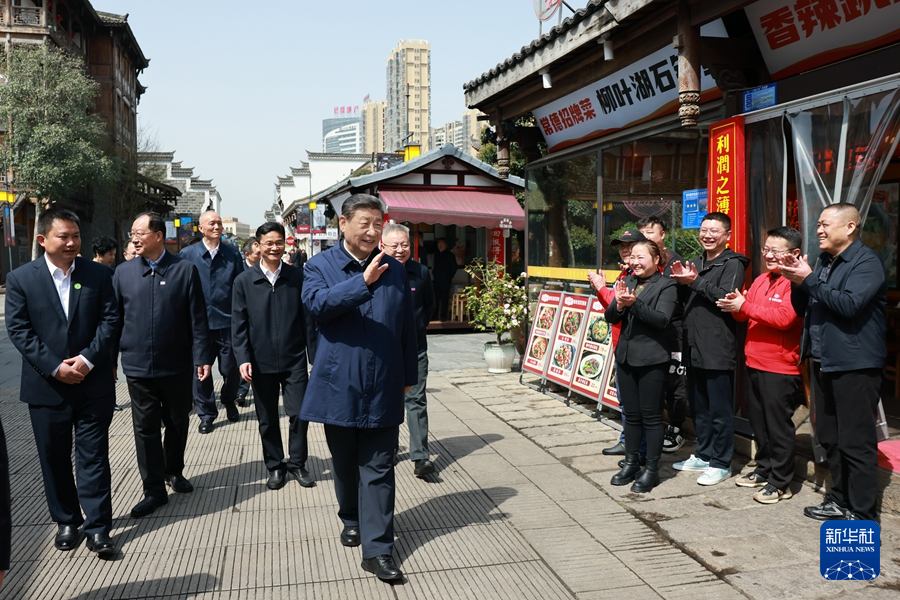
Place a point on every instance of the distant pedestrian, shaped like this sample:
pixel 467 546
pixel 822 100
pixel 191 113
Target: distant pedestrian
pixel 105 250
pixel 396 244
pixel 772 351
pixel 443 272
pixel 710 338
pixel 269 329
pixel 844 333
pixel 251 258
pixel 164 344
pixel 366 362
pixel 128 254
pixel 61 316
pixel 218 265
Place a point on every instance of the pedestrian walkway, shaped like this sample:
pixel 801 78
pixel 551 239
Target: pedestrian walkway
pixel 520 508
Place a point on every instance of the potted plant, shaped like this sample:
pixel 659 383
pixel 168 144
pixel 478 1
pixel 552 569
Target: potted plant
pixel 499 303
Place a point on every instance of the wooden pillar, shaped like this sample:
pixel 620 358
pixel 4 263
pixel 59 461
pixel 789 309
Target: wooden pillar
pixel 688 43
pixel 502 153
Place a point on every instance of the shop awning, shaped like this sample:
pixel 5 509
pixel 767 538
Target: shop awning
pixel 454 207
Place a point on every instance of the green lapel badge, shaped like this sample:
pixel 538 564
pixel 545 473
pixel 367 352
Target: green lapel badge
pixel 77 286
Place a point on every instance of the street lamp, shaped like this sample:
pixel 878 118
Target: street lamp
pixel 312 207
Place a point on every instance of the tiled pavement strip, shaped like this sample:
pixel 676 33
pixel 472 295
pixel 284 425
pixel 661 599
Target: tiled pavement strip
pixel 520 508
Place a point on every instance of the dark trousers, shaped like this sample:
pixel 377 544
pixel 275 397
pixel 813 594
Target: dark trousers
pixel 53 427
pixel 676 394
pixel 642 402
pixel 714 415
pixel 771 400
pixel 204 393
pixel 417 413
pixel 154 402
pixel 363 461
pixel 243 388
pixel 292 385
pixel 5 510
pixel 442 299
pixel 846 408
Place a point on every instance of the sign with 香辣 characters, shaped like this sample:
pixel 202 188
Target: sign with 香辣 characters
pixel 542 329
pixel 569 329
pixel 594 355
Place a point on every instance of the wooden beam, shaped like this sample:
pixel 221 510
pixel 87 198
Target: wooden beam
pixel 706 11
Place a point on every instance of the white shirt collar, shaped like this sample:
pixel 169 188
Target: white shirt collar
pixel 54 269
pixel 271 276
pixel 212 251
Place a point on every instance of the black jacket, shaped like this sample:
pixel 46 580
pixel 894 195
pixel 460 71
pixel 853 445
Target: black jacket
pixel 648 335
pixel 423 299
pixel 445 266
pixel 709 332
pixel 270 328
pixel 164 327
pixel 38 328
pixel 853 301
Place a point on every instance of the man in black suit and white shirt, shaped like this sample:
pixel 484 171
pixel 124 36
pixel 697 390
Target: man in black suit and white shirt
pixel 61 316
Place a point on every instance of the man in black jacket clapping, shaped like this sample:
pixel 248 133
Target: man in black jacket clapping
pixel 272 339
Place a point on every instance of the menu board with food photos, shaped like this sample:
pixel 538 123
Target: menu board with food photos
pixel 594 354
pixel 542 329
pixel 567 339
pixel 610 395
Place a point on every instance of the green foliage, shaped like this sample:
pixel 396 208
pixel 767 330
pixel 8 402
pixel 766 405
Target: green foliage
pixel 55 143
pixel 580 237
pixel 496 301
pixel 618 232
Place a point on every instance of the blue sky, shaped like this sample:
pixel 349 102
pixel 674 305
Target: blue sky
pixel 239 89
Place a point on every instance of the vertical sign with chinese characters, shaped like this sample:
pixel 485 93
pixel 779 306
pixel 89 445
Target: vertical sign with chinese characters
pixel 567 341
pixel 542 329
pixel 496 246
pixel 727 187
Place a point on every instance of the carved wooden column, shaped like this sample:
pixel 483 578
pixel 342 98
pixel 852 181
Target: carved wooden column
pixel 502 153
pixel 688 43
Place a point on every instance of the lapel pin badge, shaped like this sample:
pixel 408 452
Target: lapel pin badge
pixel 77 286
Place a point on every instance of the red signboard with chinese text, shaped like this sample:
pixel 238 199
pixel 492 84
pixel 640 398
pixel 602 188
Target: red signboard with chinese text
pixel 727 179
pixel 569 331
pixel 542 329
pixel 592 363
pixel 496 246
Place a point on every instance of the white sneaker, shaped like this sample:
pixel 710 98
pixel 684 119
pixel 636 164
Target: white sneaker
pixel 691 464
pixel 712 476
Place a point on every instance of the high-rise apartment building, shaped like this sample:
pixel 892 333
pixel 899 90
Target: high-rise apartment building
pixel 408 105
pixel 464 134
pixel 346 139
pixel 372 130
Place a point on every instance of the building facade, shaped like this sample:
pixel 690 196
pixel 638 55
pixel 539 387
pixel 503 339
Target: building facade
pixel 345 139
pixel 197 195
pixel 235 229
pixel 408 105
pixel 372 131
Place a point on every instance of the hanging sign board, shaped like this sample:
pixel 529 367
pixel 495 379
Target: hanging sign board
pixel 542 329
pixel 694 206
pixel 796 36
pixel 594 355
pixel 569 331
pixel 727 184
pixel 496 246
pixel 761 97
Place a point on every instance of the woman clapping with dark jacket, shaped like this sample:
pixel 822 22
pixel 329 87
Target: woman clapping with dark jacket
pixel 643 304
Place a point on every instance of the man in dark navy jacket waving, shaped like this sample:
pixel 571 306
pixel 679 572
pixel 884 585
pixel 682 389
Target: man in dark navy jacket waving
pixel 366 361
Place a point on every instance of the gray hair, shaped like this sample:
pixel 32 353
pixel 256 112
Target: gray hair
pixel 358 201
pixel 393 228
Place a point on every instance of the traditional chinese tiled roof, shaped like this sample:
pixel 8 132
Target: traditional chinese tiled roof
pixel 111 18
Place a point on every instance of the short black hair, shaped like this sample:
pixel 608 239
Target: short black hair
pixel 45 221
pixel 269 228
pixel 248 245
pixel 358 201
pixel 720 217
pixel 156 223
pixel 651 220
pixel 104 244
pixel 788 234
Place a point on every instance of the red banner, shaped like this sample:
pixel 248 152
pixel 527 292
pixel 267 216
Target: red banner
pixel 727 177
pixel 496 246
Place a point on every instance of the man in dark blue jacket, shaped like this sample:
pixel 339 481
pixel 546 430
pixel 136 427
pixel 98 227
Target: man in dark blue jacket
pixel 366 361
pixel 269 329
pixel 218 265
pixel 164 342
pixel 396 244
pixel 61 315
pixel 844 333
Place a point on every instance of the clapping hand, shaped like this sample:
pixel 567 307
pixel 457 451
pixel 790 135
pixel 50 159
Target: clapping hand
pixel 732 302
pixel 795 269
pixel 597 280
pixel 684 274
pixel 624 296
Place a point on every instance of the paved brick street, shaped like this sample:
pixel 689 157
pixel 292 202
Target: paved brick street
pixel 520 508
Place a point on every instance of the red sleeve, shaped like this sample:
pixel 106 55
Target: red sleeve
pixel 779 315
pixel 605 296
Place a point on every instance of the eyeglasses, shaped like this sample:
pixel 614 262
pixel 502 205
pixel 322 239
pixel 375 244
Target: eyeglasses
pixel 393 247
pixel 140 234
pixel 713 232
pixel 270 245
pixel 774 252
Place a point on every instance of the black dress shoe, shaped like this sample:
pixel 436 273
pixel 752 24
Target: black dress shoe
pixel 276 479
pixel 350 536
pixel 101 544
pixel 68 537
pixel 148 505
pixel 827 511
pixel 303 477
pixel 617 450
pixel 643 461
pixel 206 426
pixel 241 401
pixel 232 412
pixel 383 566
pixel 423 467
pixel 179 484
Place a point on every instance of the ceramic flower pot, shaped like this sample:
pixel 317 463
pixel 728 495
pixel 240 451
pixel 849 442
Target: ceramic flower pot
pixel 499 357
